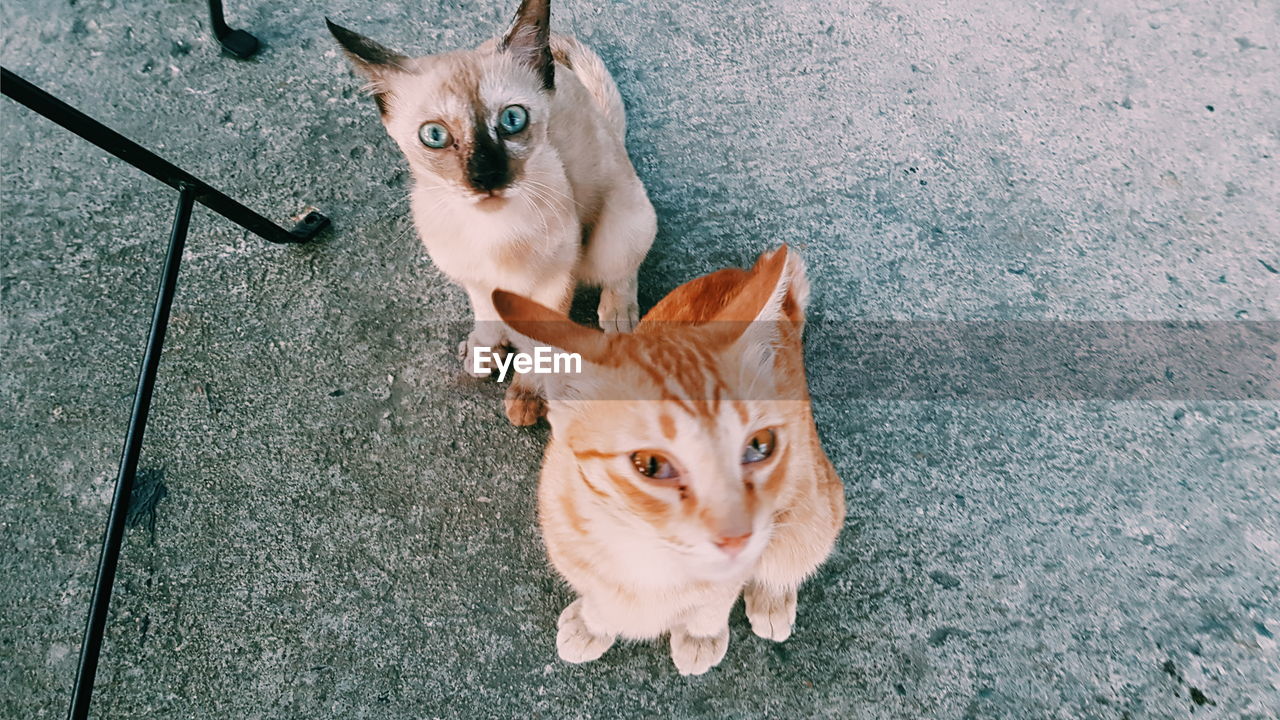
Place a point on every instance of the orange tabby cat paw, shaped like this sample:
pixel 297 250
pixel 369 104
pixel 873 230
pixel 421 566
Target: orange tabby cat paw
pixel 524 405
pixel 574 642
pixel 771 613
pixel 696 655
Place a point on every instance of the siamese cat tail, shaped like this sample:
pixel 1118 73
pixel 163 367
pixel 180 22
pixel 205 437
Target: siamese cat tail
pixel 590 69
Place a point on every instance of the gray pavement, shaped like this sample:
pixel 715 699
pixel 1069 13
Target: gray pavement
pixel 348 529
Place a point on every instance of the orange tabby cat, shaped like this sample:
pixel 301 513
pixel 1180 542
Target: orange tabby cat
pixel 684 467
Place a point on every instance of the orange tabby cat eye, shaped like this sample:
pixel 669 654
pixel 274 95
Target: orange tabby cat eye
pixel 652 465
pixel 759 447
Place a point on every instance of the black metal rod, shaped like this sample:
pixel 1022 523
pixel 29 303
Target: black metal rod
pixel 236 42
pixel 114 536
pixel 152 164
pixel 217 20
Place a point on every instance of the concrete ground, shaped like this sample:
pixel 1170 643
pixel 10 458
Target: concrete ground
pixel 348 529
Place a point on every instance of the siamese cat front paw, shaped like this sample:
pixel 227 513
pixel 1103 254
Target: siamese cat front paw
pixel 695 655
pixel 574 642
pixel 618 311
pixel 467 353
pixel 771 613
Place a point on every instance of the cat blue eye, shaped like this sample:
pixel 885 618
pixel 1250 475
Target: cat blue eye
pixel 434 135
pixel 513 119
pixel 759 447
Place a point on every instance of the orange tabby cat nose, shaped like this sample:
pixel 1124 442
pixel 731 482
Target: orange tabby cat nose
pixel 733 545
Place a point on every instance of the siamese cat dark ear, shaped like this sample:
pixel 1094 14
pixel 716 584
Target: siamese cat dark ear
pixel 363 51
pixel 371 59
pixel 529 39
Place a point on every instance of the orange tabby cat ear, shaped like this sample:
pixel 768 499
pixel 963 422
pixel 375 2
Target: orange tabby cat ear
pixel 717 297
pixel 751 324
pixel 774 290
pixel 761 296
pixel 544 325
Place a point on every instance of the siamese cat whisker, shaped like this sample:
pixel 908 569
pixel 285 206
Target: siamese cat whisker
pixel 554 192
pixel 548 194
pixel 539 202
pixel 547 200
pixel 539 206
pixel 410 228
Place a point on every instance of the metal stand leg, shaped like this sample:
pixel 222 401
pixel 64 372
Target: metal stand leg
pixel 114 535
pixel 191 190
pixel 154 165
pixel 234 42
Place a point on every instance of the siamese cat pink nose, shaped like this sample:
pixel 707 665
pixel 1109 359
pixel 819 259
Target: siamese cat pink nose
pixel 731 546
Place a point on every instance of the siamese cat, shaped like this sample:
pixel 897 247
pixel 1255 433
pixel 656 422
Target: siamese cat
pixel 521 177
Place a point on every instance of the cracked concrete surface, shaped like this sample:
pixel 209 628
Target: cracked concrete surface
pixel 348 531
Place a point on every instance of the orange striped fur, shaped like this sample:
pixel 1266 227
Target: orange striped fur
pixel 717 362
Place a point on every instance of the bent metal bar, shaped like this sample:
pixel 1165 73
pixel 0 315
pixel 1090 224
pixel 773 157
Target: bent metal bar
pixel 190 191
